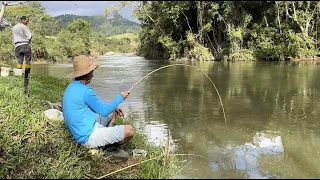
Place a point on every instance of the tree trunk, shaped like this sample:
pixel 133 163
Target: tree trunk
pixel 199 19
pixel 3 9
pixel 278 17
pixel 306 29
pixel 266 21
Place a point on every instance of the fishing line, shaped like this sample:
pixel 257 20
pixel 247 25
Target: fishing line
pixel 187 66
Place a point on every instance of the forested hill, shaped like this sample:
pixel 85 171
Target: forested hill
pixel 117 25
pixel 59 39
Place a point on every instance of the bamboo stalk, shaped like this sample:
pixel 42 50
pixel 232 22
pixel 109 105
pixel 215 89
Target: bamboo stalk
pixel 126 167
pixel 119 170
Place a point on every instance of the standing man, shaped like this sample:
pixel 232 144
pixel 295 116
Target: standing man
pixel 21 40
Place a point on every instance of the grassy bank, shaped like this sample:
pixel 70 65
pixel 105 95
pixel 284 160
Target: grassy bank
pixel 32 146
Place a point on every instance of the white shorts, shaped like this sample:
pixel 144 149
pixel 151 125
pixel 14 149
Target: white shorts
pixel 103 135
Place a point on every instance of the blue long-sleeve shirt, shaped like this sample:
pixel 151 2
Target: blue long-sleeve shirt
pixel 80 105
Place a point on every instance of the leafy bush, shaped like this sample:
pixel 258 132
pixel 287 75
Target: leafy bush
pixel 196 50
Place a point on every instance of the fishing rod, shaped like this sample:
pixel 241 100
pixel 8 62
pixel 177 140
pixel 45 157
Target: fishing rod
pixel 186 66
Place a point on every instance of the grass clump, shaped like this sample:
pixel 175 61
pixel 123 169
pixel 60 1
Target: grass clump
pixel 32 146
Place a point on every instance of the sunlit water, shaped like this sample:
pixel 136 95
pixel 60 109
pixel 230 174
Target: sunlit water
pixel 272 112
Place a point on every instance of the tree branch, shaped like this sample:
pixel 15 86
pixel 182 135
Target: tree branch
pixel 187 20
pixel 215 51
pixel 294 12
pixel 4 5
pixel 147 14
pixel 287 11
pixel 144 10
pixel 294 16
pixel 13 4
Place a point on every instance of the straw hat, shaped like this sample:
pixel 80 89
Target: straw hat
pixel 83 65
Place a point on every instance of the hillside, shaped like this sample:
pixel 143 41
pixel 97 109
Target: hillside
pixel 117 25
pixel 59 39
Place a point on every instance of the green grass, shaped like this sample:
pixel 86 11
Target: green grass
pixel 32 146
pixel 51 37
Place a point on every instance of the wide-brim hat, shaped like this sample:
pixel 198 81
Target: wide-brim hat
pixel 83 65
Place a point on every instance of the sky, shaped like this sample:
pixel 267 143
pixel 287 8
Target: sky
pixel 86 8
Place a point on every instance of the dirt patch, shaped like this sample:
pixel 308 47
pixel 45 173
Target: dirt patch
pixel 113 166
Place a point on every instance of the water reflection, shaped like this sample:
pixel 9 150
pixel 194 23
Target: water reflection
pixel 245 157
pixel 158 135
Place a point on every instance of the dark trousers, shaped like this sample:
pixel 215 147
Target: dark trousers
pixel 21 52
pixel 24 52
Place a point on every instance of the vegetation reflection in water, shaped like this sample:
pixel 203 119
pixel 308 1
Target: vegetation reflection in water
pixel 274 99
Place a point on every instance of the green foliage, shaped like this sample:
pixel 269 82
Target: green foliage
pixel 149 45
pixel 299 46
pixel 81 28
pixel 117 25
pixel 229 29
pixel 70 44
pixel 171 46
pixel 275 46
pixel 38 47
pixel 118 43
pixel 197 51
pixel 6 47
pixel 34 13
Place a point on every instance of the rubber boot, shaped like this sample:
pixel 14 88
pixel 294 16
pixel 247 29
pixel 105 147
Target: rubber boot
pixel 117 155
pixel 26 82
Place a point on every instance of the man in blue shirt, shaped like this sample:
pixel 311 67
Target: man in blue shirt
pixel 89 119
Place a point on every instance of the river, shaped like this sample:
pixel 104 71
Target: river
pixel 272 112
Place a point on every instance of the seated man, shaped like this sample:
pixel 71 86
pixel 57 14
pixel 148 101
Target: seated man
pixel 87 117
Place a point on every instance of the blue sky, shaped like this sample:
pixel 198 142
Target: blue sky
pixel 86 8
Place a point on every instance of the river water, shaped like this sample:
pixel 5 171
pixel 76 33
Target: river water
pixel 272 112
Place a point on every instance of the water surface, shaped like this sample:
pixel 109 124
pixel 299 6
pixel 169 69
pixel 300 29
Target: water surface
pixel 272 111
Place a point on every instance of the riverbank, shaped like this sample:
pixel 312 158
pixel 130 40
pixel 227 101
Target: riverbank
pixel 35 147
pixel 12 63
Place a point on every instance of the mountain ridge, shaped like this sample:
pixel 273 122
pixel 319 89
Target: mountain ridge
pixel 117 25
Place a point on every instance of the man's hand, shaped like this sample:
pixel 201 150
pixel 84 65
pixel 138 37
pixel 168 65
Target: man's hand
pixel 119 112
pixel 125 94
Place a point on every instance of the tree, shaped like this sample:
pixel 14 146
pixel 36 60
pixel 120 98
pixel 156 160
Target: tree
pixel 302 13
pixel 230 30
pixel 81 28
